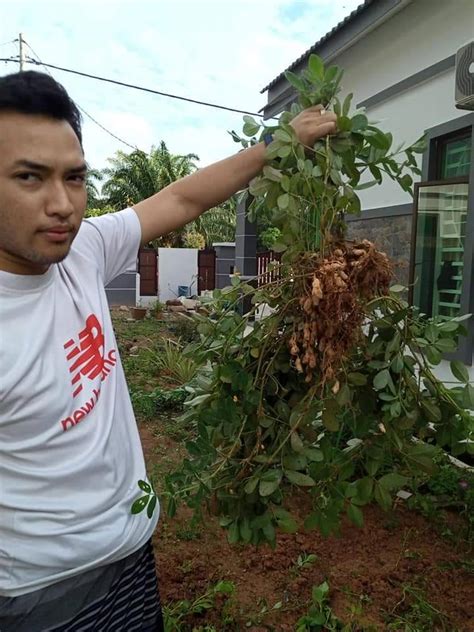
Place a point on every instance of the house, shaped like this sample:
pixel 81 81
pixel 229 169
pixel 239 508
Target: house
pixel 398 58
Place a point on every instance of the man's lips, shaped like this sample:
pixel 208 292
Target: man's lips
pixel 57 233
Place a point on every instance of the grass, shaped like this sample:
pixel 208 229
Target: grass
pixel 414 613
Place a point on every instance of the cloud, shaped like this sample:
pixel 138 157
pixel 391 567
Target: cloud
pixel 209 50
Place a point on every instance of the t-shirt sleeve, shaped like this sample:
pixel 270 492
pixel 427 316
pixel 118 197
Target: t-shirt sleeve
pixel 112 241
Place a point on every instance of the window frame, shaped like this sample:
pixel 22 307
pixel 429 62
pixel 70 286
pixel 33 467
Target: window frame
pixel 440 145
pixel 436 138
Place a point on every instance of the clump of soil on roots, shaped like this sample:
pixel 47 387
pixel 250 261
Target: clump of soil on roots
pixel 333 292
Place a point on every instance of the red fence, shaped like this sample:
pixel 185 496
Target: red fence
pixel 264 274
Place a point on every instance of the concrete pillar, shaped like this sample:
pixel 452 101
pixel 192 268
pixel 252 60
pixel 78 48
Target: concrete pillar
pixel 245 248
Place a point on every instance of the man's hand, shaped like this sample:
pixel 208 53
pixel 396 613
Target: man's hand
pixel 184 200
pixel 313 123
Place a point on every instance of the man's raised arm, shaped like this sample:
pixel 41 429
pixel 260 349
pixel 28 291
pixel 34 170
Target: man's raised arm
pixel 183 201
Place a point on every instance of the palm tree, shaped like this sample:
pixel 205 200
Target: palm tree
pixel 94 199
pixel 217 224
pixel 136 176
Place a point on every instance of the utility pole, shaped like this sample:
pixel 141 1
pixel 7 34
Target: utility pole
pixel 22 53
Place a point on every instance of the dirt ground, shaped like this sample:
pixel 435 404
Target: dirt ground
pixel 370 571
pixel 399 572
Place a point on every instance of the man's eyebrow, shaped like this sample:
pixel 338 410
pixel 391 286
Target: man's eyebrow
pixel 37 166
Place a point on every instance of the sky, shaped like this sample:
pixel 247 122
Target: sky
pixel 220 51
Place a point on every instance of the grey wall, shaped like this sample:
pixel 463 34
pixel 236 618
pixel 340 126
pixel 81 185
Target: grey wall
pixel 225 262
pixel 121 291
pixel 391 235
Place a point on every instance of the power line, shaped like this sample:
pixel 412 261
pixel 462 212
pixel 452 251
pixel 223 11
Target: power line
pixel 135 87
pixel 10 42
pixel 134 147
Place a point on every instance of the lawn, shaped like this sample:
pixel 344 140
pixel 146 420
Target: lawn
pixel 409 569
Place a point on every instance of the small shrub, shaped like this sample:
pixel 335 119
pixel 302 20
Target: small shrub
pixel 177 615
pixel 172 365
pixel 185 329
pixel 147 405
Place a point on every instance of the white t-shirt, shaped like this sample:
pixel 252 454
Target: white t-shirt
pixel 70 452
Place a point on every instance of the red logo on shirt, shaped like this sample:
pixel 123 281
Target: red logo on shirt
pixel 87 359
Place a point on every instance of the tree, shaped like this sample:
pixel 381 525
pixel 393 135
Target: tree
pixel 133 177
pixel 94 198
pixel 217 224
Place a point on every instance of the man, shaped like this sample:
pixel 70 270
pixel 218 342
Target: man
pixel 72 556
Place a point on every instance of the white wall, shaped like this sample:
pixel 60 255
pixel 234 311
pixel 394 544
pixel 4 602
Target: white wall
pixel 176 266
pixel 422 34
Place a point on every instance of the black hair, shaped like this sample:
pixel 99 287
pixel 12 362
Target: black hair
pixel 34 92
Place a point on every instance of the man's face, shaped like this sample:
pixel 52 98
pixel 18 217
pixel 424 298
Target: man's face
pixel 42 191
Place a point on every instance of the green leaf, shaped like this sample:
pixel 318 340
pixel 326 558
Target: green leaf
pixel 329 416
pixel 448 326
pixel 313 454
pixel 397 289
pixel 267 487
pixel 259 186
pixel 233 535
pixel 245 530
pixel 383 497
pixel 294 461
pixel 295 80
pixel 382 379
pixel 284 151
pixel 140 504
pixel 346 106
pixel 270 173
pixel 372 466
pixel 397 364
pixel 319 593
pixel 376 173
pixel 393 481
pixel 431 410
pixel 297 478
pixel 358 379
pixel 285 521
pixel 344 395
pixel 144 486
pixel 151 507
pixel 251 485
pixel 365 489
pixel 316 66
pixel 459 370
pixel 433 355
pixel 355 515
pixel 250 129
pixel 283 201
pixel 359 122
pixel 406 181
pixel 469 396
pixel 296 444
pixel 344 124
pixel 446 345
pixel 283 135
pixel 365 185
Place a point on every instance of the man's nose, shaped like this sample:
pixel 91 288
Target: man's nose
pixel 58 201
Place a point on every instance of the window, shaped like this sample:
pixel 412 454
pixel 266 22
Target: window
pixel 454 157
pixel 439 250
pixel 442 255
